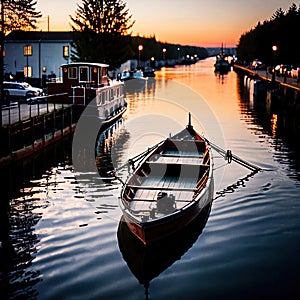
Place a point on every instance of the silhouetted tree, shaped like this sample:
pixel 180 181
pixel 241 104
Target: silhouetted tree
pixel 101 32
pixel 14 15
pixel 279 30
pixel 19 15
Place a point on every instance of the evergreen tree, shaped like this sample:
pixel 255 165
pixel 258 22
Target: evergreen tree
pixel 101 32
pixel 278 30
pixel 18 15
pixel 14 14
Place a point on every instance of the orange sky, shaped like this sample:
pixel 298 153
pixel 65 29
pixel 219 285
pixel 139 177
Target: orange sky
pixel 190 22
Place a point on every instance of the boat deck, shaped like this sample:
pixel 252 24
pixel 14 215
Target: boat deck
pixel 145 200
pixel 146 195
pixel 178 171
pixel 177 159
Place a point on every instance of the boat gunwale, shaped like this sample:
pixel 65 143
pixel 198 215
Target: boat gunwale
pixel 152 222
pixel 207 184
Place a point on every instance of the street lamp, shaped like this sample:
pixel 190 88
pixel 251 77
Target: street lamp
pixel 164 50
pixel 140 48
pixel 275 49
pixel 152 63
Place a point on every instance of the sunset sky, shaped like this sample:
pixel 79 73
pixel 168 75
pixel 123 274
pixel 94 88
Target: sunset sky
pixel 205 23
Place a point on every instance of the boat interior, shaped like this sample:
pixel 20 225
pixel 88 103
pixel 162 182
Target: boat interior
pixel 169 179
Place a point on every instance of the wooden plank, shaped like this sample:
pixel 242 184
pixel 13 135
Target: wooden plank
pixel 161 188
pixel 170 153
pixel 154 200
pixel 178 160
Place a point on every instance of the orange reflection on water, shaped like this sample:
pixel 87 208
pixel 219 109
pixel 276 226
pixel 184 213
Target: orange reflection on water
pixel 274 122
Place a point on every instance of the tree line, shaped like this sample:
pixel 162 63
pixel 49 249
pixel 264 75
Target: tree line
pixel 280 30
pixel 101 33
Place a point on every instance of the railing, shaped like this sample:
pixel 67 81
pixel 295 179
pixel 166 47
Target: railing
pixel 35 106
pixel 29 128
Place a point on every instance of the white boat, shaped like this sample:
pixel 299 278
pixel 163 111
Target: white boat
pixel 135 74
pixel 83 82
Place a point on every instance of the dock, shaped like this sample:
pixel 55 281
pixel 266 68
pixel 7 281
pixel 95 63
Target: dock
pixel 29 128
pixel 284 86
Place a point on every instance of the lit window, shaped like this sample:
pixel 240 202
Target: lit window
pixel 72 73
pixel 27 50
pixel 28 71
pixel 66 51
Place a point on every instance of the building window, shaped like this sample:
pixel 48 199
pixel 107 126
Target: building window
pixel 28 71
pixel 66 51
pixel 72 73
pixel 27 50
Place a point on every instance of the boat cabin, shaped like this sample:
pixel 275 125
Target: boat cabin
pixel 80 80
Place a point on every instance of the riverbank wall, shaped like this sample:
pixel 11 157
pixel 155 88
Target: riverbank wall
pixel 24 138
pixel 283 89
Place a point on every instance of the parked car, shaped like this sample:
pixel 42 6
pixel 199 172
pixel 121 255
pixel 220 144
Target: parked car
pixel 257 65
pixel 295 71
pixel 20 90
pixel 283 70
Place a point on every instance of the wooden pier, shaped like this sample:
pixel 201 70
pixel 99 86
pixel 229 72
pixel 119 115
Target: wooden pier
pixel 287 87
pixel 24 133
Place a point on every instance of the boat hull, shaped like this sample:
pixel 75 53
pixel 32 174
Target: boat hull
pixel 148 261
pixel 150 232
pixel 109 121
pixel 171 185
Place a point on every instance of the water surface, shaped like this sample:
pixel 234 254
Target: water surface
pixel 61 235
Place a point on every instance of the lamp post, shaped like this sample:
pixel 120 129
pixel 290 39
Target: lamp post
pixel 164 50
pixel 152 63
pixel 140 48
pixel 274 48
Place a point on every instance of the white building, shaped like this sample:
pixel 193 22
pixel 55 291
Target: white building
pixel 37 53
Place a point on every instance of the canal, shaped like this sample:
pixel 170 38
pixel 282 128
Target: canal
pixel 61 231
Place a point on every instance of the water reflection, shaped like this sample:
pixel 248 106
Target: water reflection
pixel 19 240
pixel 148 262
pixel 58 232
pixel 267 115
pixel 109 142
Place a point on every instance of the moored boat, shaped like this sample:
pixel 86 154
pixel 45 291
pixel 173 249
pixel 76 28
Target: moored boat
pixel 83 82
pixel 147 262
pixel 170 186
pixel 222 64
pixel 149 72
pixel 135 74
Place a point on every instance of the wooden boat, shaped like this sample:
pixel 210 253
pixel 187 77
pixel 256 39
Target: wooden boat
pixel 84 82
pixel 170 186
pixel 147 262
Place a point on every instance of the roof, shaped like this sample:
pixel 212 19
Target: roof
pixel 21 36
pixel 76 64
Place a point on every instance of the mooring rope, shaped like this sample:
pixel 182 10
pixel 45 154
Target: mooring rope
pixel 131 162
pixel 231 157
